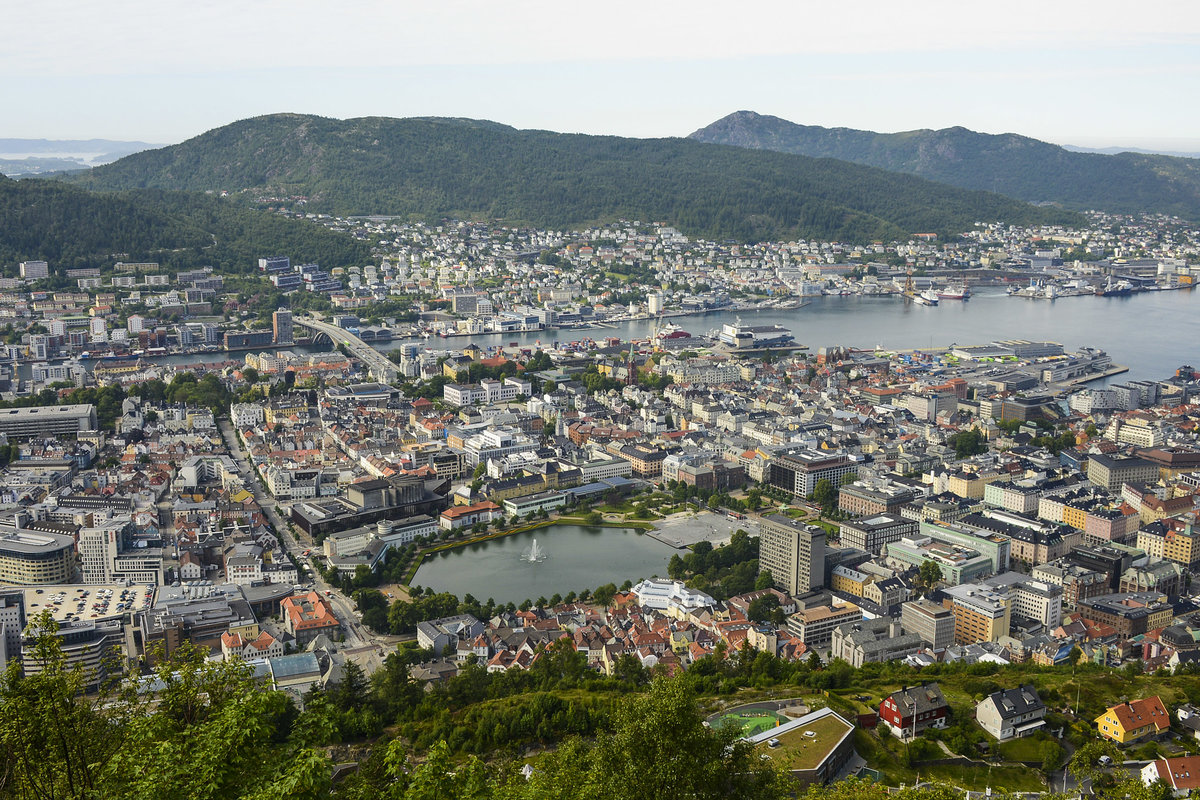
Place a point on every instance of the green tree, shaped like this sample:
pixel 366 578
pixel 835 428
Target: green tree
pixel 824 495
pixel 658 747
pixel 929 575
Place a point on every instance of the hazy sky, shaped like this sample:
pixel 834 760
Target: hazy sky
pixel 1091 73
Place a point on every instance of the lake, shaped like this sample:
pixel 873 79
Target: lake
pixel 577 557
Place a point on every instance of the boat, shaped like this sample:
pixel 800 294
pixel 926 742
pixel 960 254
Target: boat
pixel 926 298
pixel 954 292
pixel 1118 289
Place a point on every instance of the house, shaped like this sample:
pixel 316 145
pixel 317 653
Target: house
pixel 1134 721
pixel 1011 713
pixel 1182 774
pixel 235 647
pixel 913 709
pixel 1189 718
pixel 307 616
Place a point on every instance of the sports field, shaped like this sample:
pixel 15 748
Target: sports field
pixel 751 721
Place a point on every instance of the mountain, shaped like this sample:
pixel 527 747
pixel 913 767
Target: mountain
pixel 1017 166
pixel 1074 148
pixel 432 168
pixel 69 226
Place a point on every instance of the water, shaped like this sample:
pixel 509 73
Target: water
pixel 576 557
pixel 1152 332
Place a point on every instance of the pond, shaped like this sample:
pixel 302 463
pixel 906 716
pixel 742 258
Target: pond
pixel 568 558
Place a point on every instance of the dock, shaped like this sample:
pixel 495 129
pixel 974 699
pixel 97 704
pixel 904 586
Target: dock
pixel 1115 369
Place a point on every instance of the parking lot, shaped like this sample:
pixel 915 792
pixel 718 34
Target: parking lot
pixel 69 603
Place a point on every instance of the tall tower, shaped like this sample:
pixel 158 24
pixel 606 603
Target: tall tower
pixel 281 324
pixel 794 553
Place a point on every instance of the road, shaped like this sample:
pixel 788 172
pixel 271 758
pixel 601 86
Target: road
pixel 377 363
pixel 356 635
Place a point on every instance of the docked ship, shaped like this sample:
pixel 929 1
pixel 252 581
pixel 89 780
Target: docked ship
pixel 926 298
pixel 1118 289
pixel 955 292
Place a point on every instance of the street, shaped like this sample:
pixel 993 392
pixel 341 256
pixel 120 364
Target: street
pixel 356 635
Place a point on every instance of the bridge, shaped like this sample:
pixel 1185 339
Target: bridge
pixel 378 365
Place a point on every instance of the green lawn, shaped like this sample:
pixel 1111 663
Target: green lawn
pixel 888 758
pixel 1028 748
pixel 751 721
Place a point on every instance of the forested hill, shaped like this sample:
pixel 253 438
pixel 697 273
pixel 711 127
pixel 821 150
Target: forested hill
pixel 431 168
pixel 73 227
pixel 1017 166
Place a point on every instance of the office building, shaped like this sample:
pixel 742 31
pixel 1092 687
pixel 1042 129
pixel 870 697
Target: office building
pixel 934 624
pixel 793 553
pixel 815 625
pixel 92 647
pixel 42 421
pixel 281 326
pixel 981 614
pixel 35 558
pixel 870 534
pixel 12 625
pixel 798 471
pixel 1111 472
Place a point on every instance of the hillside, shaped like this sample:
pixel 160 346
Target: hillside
pixel 69 226
pixel 1016 166
pixel 432 168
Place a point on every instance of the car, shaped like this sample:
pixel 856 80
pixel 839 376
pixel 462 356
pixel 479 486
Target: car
pixel 1105 761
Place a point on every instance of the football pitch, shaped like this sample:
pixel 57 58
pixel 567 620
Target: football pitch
pixel 751 721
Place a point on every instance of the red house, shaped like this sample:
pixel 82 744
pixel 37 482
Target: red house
pixel 912 710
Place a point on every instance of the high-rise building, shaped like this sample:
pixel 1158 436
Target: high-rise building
pixel 793 553
pixel 281 324
pixel 12 625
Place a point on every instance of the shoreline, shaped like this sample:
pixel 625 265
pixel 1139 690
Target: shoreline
pixel 419 559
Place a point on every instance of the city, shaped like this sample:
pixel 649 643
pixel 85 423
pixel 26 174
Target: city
pixel 340 495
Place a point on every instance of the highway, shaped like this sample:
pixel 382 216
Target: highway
pixel 380 368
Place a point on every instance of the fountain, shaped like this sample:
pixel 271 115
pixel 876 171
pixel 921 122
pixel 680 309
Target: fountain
pixel 534 554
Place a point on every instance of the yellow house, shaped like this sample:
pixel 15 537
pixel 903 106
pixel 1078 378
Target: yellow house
pixel 1133 721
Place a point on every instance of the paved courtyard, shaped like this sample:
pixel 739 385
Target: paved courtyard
pixel 687 528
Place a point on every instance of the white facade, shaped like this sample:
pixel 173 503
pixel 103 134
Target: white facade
pixel 662 595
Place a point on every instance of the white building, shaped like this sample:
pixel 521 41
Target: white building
pixel 246 415
pixel 664 595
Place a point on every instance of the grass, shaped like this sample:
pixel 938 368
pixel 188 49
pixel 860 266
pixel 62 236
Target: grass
pixel 888 758
pixel 1027 748
pixel 797 751
pixel 751 721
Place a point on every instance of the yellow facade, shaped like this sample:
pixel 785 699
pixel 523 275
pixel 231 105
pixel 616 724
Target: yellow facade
pixel 1180 547
pixel 844 583
pixel 1075 517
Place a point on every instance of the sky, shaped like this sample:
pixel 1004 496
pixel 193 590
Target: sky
pixel 1095 74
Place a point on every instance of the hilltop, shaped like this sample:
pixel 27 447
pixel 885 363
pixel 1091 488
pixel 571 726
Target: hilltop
pixel 430 168
pixel 1012 165
pixel 69 226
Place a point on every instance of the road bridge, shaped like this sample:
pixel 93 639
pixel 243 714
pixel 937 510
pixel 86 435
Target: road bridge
pixel 380 368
